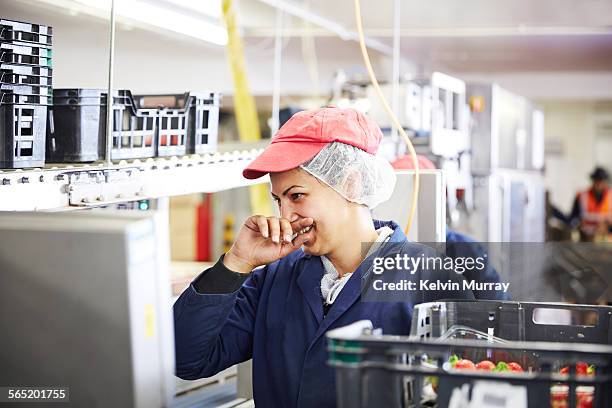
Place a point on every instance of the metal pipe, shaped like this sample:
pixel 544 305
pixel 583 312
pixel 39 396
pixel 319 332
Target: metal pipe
pixel 396 66
pixel 109 94
pixel 300 12
pixel 427 32
pixel 278 50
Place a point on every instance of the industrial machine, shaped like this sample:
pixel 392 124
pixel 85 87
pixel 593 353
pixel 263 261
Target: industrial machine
pixel 434 113
pixel 507 130
pixel 509 206
pixel 507 145
pixel 429 223
pixel 85 301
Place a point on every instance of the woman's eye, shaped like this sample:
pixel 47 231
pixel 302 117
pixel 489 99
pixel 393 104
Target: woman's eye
pixel 296 196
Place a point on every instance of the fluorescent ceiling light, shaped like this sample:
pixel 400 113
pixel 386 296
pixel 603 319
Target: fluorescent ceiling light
pixel 211 8
pixel 166 18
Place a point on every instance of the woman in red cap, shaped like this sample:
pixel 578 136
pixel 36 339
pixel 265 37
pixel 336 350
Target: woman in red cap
pixel 287 280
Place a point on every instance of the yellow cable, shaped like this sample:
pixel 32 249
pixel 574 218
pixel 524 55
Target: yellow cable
pixel 244 103
pixel 398 126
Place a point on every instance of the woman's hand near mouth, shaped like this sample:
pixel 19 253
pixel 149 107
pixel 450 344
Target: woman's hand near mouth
pixel 262 240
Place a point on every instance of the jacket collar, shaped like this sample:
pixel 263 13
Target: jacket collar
pixel 398 234
pixel 309 282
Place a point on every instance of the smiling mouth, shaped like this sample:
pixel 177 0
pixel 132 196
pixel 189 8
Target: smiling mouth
pixel 302 231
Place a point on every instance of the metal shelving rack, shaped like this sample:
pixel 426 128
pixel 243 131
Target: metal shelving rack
pixel 68 187
pixel 72 187
pixel 63 187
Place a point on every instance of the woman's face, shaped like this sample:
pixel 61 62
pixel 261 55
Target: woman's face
pixel 300 195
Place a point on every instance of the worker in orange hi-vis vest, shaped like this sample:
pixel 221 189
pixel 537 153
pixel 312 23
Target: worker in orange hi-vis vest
pixel 593 207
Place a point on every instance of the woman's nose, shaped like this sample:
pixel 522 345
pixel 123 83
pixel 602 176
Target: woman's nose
pixel 287 211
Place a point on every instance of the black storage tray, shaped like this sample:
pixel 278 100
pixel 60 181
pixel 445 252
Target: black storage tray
pixel 8 57
pixel 512 320
pixel 26 70
pixel 79 92
pixel 26 89
pixel 77 127
pixel 22 135
pixel 203 122
pixel 25 32
pixel 26 54
pixel 10 97
pixel 10 78
pixel 85 101
pixel 76 133
pixel 187 123
pixel 38 50
pixel 392 371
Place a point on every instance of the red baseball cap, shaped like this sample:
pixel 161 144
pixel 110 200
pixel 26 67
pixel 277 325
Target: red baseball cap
pixel 307 132
pixel 405 163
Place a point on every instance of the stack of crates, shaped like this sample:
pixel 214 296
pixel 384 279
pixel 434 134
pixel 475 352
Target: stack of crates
pixel 143 126
pixel 77 127
pixel 25 91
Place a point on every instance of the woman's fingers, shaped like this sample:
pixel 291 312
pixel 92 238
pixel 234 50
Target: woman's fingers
pixel 286 230
pixel 274 226
pixel 262 224
pixel 280 230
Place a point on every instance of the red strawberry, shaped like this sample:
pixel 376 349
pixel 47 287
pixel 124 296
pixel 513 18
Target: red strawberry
pixel 581 368
pixel 464 365
pixel 485 365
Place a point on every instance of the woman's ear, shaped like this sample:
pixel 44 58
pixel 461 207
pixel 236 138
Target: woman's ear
pixel 353 184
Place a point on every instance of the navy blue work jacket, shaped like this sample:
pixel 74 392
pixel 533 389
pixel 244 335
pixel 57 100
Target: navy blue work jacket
pixel 276 318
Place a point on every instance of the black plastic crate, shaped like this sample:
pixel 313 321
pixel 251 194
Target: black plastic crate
pixel 187 123
pixel 86 100
pixel 33 96
pixel 76 130
pixel 26 70
pixel 22 135
pixel 203 122
pixel 133 128
pixel 545 338
pixel 86 97
pixel 80 93
pixel 172 132
pixel 25 32
pixel 25 75
pixel 77 127
pixel 76 133
pixel 26 54
pixel 37 50
pixel 7 56
pixel 375 370
pixel 23 89
pixel 516 321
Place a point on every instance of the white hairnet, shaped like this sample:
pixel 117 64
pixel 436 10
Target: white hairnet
pixel 356 175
